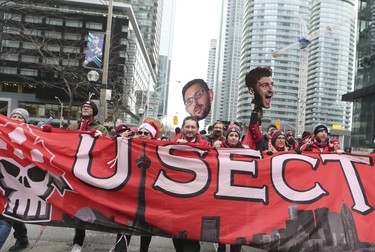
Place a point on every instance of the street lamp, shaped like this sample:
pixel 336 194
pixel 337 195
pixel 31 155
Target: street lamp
pixel 141 111
pixel 93 76
pixel 61 111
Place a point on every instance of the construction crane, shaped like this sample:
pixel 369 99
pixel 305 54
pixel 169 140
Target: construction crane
pixel 302 44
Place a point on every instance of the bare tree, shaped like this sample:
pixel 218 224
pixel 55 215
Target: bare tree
pixel 58 51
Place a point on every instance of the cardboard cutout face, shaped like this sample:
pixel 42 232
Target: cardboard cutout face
pixel 198 101
pixel 263 93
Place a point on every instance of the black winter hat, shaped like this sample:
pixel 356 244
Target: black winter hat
pixel 93 106
pixel 305 134
pixel 319 128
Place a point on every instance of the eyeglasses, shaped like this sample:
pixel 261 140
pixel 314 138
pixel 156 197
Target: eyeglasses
pixel 86 107
pixel 143 133
pixel 196 96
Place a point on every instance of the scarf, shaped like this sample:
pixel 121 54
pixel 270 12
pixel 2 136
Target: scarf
pixel 84 125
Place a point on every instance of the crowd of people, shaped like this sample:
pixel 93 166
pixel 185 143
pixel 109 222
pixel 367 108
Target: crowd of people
pixel 197 99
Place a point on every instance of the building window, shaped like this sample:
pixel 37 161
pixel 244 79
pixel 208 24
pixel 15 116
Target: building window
pixel 11 30
pixel 53 48
pixel 51 61
pixel 53 34
pixel 10 43
pixel 31 32
pixel 71 49
pixel 30 59
pixel 33 19
pixel 10 57
pixel 73 23
pixel 94 25
pixel 29 72
pixel 8 70
pixel 28 45
pixel 12 16
pixel 54 21
pixel 70 62
pixel 72 36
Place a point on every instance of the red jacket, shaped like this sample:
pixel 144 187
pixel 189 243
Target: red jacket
pixel 313 146
pixel 198 140
pixel 252 136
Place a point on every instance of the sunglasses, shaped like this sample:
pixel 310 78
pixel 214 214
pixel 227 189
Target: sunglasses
pixel 143 133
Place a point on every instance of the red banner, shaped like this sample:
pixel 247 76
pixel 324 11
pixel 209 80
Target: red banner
pixel 233 196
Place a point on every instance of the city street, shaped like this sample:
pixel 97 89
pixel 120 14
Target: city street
pixel 59 239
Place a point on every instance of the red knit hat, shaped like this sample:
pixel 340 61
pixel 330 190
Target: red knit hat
pixel 121 128
pixel 275 135
pixel 234 128
pixel 152 128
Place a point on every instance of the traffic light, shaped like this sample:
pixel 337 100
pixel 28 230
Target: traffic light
pixel 175 120
pixel 278 124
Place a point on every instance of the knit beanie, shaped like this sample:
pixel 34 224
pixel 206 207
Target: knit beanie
pixel 22 112
pixel 93 106
pixel 152 128
pixel 234 128
pixel 288 133
pixel 319 128
pixel 305 134
pixel 121 128
pixel 275 135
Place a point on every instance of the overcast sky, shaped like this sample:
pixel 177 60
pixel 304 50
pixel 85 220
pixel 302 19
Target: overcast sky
pixel 196 23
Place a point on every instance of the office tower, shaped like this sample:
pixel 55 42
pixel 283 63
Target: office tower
pixel 331 58
pixel 166 44
pixel 269 26
pixel 149 17
pixel 228 62
pixel 211 76
pixel 363 96
pixel 266 27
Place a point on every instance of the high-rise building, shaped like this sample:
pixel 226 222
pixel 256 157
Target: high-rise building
pixel 269 25
pixel 227 67
pixel 277 24
pixel 331 63
pixel 148 14
pixel 363 96
pixel 211 76
pixel 165 55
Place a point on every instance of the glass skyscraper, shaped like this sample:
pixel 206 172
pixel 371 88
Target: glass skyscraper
pixel 271 25
pixel 363 96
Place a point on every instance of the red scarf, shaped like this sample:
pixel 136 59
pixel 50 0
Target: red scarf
pixel 84 125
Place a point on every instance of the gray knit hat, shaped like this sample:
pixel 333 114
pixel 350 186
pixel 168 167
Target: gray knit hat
pixel 22 112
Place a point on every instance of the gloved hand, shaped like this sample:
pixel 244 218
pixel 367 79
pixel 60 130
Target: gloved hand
pixel 46 127
pixel 95 133
pixel 143 161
